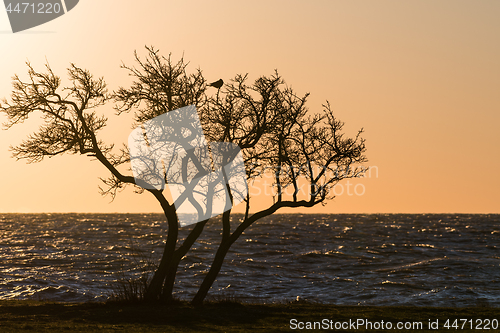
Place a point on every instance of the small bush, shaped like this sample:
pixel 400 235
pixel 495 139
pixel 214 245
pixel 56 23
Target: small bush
pixel 132 288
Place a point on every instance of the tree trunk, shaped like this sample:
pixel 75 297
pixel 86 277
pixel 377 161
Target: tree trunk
pixel 168 285
pixel 212 273
pixel 154 290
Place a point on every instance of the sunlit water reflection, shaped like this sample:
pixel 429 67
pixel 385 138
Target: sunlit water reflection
pixel 440 260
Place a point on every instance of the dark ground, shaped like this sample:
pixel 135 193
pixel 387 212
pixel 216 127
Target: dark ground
pixel 43 316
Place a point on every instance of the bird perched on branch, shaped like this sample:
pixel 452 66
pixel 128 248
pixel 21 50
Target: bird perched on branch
pixel 217 84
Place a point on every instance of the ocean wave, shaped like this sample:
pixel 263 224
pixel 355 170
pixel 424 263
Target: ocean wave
pixel 389 259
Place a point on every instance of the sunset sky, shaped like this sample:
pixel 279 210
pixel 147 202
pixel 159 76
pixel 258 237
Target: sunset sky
pixel 421 77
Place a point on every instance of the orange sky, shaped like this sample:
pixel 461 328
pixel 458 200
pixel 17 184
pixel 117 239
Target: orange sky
pixel 422 77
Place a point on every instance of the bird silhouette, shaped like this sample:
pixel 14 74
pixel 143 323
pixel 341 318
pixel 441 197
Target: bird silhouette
pixel 217 84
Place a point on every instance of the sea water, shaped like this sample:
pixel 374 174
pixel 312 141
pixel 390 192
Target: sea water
pixel 349 259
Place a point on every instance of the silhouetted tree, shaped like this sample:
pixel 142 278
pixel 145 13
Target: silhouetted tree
pixel 303 151
pixel 280 138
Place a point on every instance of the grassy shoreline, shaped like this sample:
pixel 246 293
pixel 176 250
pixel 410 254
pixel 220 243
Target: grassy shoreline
pixel 45 316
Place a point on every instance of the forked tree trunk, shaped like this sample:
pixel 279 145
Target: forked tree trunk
pixel 168 285
pixel 212 274
pixel 162 285
pixel 154 290
pixel 179 253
